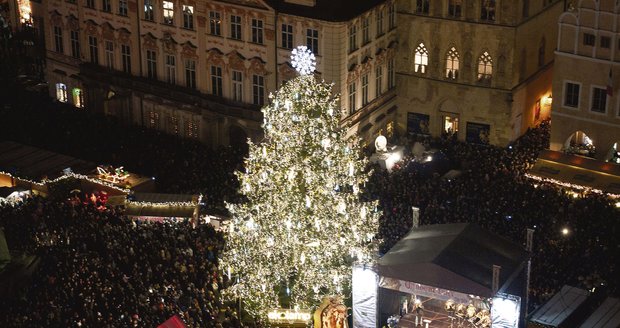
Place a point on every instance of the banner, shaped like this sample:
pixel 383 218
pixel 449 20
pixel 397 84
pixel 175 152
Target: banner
pixel 423 290
pixel 417 123
pixel 477 133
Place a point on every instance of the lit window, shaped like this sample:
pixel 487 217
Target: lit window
pixel 78 98
pixel 487 10
pixel 257 31
pixel 421 59
pixel 452 64
pixel 171 69
pixel 485 68
pixel 148 10
pixel 235 27
pixel 191 129
pixel 190 73
pixel 258 90
pixel 237 85
pixel 287 36
pixel 188 17
pixel 168 12
pixel 389 129
pixel 61 92
pixel 153 119
pixel 215 23
pixel 312 40
pixel 173 122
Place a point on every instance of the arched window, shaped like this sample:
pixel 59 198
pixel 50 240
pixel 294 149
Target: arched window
pixel 421 59
pixel 485 68
pixel 452 64
pixel 541 53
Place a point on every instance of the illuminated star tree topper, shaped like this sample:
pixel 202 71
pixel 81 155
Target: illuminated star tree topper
pixel 303 224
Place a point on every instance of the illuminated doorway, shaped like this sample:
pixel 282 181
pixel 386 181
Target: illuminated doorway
pixel 579 143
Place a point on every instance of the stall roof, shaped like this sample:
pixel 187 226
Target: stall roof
pixel 578 170
pixel 159 211
pixel 560 306
pixel 458 257
pixel 34 163
pixel 163 198
pixel 605 316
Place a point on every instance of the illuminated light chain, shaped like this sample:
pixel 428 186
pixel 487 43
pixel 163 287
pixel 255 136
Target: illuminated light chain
pixel 303 224
pixel 571 185
pixel 303 60
pixel 43 182
pixel 162 204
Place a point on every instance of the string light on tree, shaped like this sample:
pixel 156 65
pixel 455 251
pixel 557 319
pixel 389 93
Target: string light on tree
pixel 303 225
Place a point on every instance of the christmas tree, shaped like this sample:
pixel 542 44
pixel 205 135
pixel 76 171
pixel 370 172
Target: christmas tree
pixel 303 224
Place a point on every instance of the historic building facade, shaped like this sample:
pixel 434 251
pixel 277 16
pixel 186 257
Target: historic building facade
pixel 586 110
pixel 203 69
pixel 479 69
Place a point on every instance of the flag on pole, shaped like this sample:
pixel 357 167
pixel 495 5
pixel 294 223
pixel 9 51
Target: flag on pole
pixel 610 85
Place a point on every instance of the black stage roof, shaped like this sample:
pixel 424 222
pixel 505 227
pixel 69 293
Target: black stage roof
pixel 327 10
pixel 458 257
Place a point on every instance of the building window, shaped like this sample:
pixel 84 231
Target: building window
pixel 485 68
pixel 126 58
pixel 454 8
pixel 599 100
pixel 171 69
pixel 352 96
pixel 258 90
pixel 392 16
pixel 188 17
pixel 122 7
pixel 173 122
pixel 93 49
pixel 421 59
pixel 190 73
pixel 61 92
pixel 235 27
pixel 287 36
pixel 191 129
pixel 605 42
pixel 379 22
pixel 151 64
pixel 365 30
pixel 237 85
pixel 148 10
pixel 75 44
pixel 364 89
pixel 487 10
pixel 452 64
pixel 257 31
pixel 541 53
pixel 215 23
pixel 153 119
pixel 571 94
pixel 216 80
pixel 58 46
pixel 78 98
pixel 421 7
pixel 378 80
pixel 109 54
pixel 312 40
pixel 106 5
pixel 588 39
pixel 168 12
pixel 352 38
pixel 391 75
pixel 90 4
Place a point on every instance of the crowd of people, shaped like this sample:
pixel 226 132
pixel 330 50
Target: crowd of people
pixel 148 263
pixel 575 234
pixel 100 269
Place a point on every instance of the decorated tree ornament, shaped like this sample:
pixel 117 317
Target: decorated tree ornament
pixel 303 61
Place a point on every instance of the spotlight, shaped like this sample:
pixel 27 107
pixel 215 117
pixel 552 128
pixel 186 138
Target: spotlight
pixel 565 231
